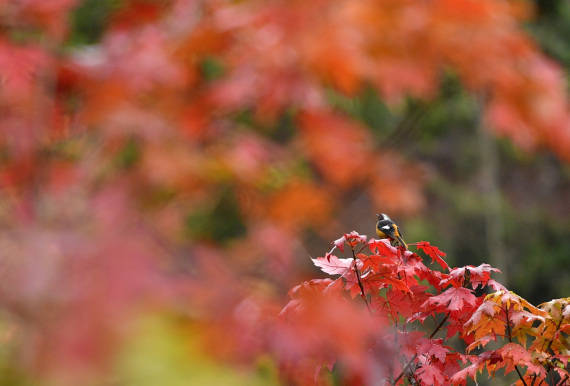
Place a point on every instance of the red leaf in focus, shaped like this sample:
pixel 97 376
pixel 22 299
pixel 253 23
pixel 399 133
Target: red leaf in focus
pixel 353 239
pixel 460 377
pixel 433 347
pixel 333 265
pixel 378 281
pixel 434 252
pixel 431 375
pixel 380 264
pixel 453 299
pixel 339 243
pixel 382 247
pixel 477 275
pixel 415 267
pixel 401 303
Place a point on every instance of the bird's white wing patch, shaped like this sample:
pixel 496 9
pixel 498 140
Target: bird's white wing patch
pixel 386 227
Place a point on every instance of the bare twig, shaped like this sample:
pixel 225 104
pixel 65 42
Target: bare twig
pixel 362 293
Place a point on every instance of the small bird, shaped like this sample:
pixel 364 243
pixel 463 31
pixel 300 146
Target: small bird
pixel 386 228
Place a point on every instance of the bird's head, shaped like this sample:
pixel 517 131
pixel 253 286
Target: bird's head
pixel 382 217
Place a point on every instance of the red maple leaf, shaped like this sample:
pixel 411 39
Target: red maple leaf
pixel 432 347
pixel 415 267
pixel 514 354
pixel 434 252
pixel 353 238
pixel 333 265
pixel 431 375
pixel 377 281
pixel 452 300
pixel 382 247
pixel 402 303
pixel 477 275
pixel 460 377
pixel 339 243
pixel 379 264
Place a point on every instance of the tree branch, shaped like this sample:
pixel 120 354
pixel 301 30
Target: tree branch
pixel 362 293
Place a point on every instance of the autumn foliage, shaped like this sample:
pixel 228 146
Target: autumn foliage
pixel 404 296
pixel 171 162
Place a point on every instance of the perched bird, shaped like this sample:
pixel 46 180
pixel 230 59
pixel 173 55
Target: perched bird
pixel 386 228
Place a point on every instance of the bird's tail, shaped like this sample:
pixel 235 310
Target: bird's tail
pixel 402 242
pixel 398 237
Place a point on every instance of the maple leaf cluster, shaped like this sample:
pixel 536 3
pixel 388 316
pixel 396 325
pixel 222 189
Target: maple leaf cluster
pixel 167 165
pixel 399 291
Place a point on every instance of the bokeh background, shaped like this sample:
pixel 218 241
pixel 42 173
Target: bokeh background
pixel 168 167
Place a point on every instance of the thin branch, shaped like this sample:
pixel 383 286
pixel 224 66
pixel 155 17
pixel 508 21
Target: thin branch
pixel 412 379
pixel 563 381
pixel 511 341
pixel 361 248
pixel 394 318
pixel 362 293
pixel 435 331
pixel 405 369
pixel 439 325
pixel 520 375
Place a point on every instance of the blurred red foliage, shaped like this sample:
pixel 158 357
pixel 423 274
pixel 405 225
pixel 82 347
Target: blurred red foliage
pixel 109 152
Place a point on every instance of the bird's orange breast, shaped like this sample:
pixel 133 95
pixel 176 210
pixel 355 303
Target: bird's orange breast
pixel 381 234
